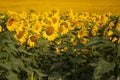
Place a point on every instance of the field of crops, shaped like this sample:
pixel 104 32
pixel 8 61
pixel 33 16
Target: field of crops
pixel 59 40
pixel 63 5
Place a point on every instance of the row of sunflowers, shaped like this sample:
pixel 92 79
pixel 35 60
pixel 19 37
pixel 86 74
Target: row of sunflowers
pixel 29 26
pixel 59 46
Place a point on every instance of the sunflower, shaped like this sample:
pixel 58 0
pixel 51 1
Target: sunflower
pixel 63 27
pixel 69 14
pixel 50 33
pixel 36 28
pixel 53 21
pixel 119 41
pixel 118 25
pixel 84 40
pixel 55 12
pixel 82 33
pixel 0 28
pixel 94 30
pixel 32 40
pixel 21 35
pixel 84 15
pixel 110 32
pixel 114 39
pixel 11 24
pixel 33 16
pixel 104 19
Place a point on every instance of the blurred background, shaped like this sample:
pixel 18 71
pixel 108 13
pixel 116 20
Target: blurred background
pixel 99 6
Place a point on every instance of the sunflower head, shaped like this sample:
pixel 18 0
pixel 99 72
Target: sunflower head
pixel 36 28
pixel 82 33
pixel 49 31
pixel 32 40
pixel 10 23
pixel 94 30
pixel 21 36
pixel 54 20
pixel 63 28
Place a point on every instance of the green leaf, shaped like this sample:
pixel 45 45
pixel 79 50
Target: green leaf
pixel 96 53
pixel 3 54
pixel 38 71
pixel 112 77
pixel 5 66
pixel 16 64
pixel 103 67
pixel 96 41
pixel 61 46
pixel 12 76
pixel 80 46
pixel 21 49
pixel 116 32
pixel 118 52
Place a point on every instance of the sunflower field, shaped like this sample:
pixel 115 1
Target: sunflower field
pixel 59 46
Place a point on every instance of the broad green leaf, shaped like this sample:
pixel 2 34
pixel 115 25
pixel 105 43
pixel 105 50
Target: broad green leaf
pixel 96 41
pixel 16 64
pixel 103 67
pixel 80 46
pixel 12 76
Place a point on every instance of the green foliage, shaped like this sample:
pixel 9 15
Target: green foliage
pixel 97 60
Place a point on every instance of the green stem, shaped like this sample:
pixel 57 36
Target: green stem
pixel 32 76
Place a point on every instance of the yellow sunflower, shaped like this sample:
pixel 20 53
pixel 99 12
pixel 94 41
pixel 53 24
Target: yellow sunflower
pixel 32 40
pixel 94 30
pixel 11 24
pixel 110 32
pixel 21 35
pixel 36 28
pixel 55 12
pixel 84 40
pixel 63 27
pixel 53 21
pixel 119 41
pixel 82 33
pixel 50 33
pixel 104 19
pixel 0 28
pixel 118 25
pixel 114 39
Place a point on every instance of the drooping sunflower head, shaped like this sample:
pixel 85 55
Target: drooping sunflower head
pixel 63 28
pixel 21 36
pixel 11 24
